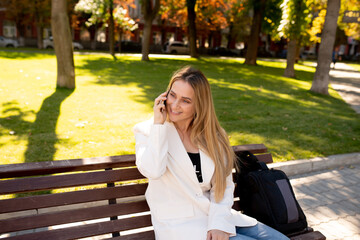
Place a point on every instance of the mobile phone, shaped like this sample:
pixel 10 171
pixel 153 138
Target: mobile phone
pixel 165 101
pixel 166 98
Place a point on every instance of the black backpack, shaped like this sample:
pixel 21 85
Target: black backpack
pixel 267 195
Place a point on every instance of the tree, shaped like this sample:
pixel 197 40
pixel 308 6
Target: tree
pixel 62 44
pixel 111 28
pixel 40 10
pixel 172 12
pixel 123 22
pixel 19 12
pixel 321 78
pixel 149 11
pixel 253 42
pixel 96 10
pixel 238 20
pixel 295 23
pixel 190 4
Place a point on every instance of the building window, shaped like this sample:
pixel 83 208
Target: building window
pixel 9 29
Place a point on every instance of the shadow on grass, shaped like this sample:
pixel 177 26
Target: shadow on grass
pixel 250 100
pixel 42 137
pixel 41 134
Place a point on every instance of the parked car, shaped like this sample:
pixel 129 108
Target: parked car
pixel 49 44
pixel 176 47
pixel 8 42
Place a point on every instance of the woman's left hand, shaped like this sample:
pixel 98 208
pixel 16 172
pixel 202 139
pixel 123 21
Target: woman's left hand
pixel 217 235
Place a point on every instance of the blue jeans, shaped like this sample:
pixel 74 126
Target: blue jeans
pixel 259 231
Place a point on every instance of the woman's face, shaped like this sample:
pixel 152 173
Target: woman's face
pixel 180 103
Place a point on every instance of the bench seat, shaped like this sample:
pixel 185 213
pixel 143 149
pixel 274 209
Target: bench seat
pixel 91 198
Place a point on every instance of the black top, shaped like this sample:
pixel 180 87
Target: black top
pixel 195 159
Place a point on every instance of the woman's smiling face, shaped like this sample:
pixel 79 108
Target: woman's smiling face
pixel 180 103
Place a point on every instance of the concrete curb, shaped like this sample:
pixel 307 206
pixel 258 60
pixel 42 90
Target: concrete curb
pixel 303 166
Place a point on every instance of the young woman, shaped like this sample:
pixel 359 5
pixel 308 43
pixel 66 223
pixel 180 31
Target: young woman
pixel 187 157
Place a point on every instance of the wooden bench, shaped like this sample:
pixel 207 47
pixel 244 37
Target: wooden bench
pixel 88 198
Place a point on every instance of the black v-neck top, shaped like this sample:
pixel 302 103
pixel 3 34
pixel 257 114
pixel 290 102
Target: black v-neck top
pixel 195 159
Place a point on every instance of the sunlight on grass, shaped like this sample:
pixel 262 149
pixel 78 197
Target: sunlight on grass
pixel 255 104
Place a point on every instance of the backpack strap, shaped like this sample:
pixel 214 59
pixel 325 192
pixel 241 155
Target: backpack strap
pixel 263 165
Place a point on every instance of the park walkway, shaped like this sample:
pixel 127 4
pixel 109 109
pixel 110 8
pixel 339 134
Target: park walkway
pixel 331 198
pixel 331 201
pixel 346 81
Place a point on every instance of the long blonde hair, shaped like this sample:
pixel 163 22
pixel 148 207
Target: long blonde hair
pixel 206 131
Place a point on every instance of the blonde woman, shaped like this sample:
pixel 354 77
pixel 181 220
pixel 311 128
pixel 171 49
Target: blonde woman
pixel 186 156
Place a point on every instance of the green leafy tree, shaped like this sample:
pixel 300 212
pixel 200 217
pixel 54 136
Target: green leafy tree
pixel 266 16
pixel 97 12
pixel 295 22
pixel 123 22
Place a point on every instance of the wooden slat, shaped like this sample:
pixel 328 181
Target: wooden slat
pixel 69 180
pixel 61 166
pixel 87 230
pixel 316 235
pixel 71 216
pixel 61 199
pixel 85 164
pixel 266 158
pixel 253 148
pixel 149 235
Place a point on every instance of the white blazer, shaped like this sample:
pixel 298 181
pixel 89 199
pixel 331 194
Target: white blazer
pixel 181 207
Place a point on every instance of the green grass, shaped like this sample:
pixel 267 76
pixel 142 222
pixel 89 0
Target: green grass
pixel 255 104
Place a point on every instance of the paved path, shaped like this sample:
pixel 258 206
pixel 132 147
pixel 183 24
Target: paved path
pixel 331 198
pixel 331 201
pixel 346 81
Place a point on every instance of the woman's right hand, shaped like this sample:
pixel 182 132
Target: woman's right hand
pixel 160 109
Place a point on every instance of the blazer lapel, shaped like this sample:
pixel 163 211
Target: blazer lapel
pixel 178 152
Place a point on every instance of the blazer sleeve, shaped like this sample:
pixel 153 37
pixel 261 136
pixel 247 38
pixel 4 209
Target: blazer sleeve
pixel 220 216
pixel 151 149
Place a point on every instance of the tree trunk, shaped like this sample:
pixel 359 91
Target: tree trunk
pixel 62 44
pixel 253 42
pixel 146 40
pixel 320 82
pixel 39 33
pixel 192 27
pixel 93 33
pixel 120 38
pixel 149 11
pixel 163 32
pixel 111 28
pixel 230 35
pixel 290 59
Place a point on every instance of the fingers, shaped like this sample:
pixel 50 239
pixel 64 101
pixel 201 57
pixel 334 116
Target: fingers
pixel 160 99
pixel 208 237
pixel 160 109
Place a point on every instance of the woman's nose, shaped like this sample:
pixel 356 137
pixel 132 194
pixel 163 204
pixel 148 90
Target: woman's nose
pixel 175 104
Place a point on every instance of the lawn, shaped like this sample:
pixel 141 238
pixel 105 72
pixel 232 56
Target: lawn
pixel 255 104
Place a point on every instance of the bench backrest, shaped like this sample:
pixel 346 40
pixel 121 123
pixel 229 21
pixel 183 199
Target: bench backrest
pixel 79 198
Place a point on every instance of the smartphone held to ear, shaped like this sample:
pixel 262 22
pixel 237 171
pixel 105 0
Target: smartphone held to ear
pixel 162 110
